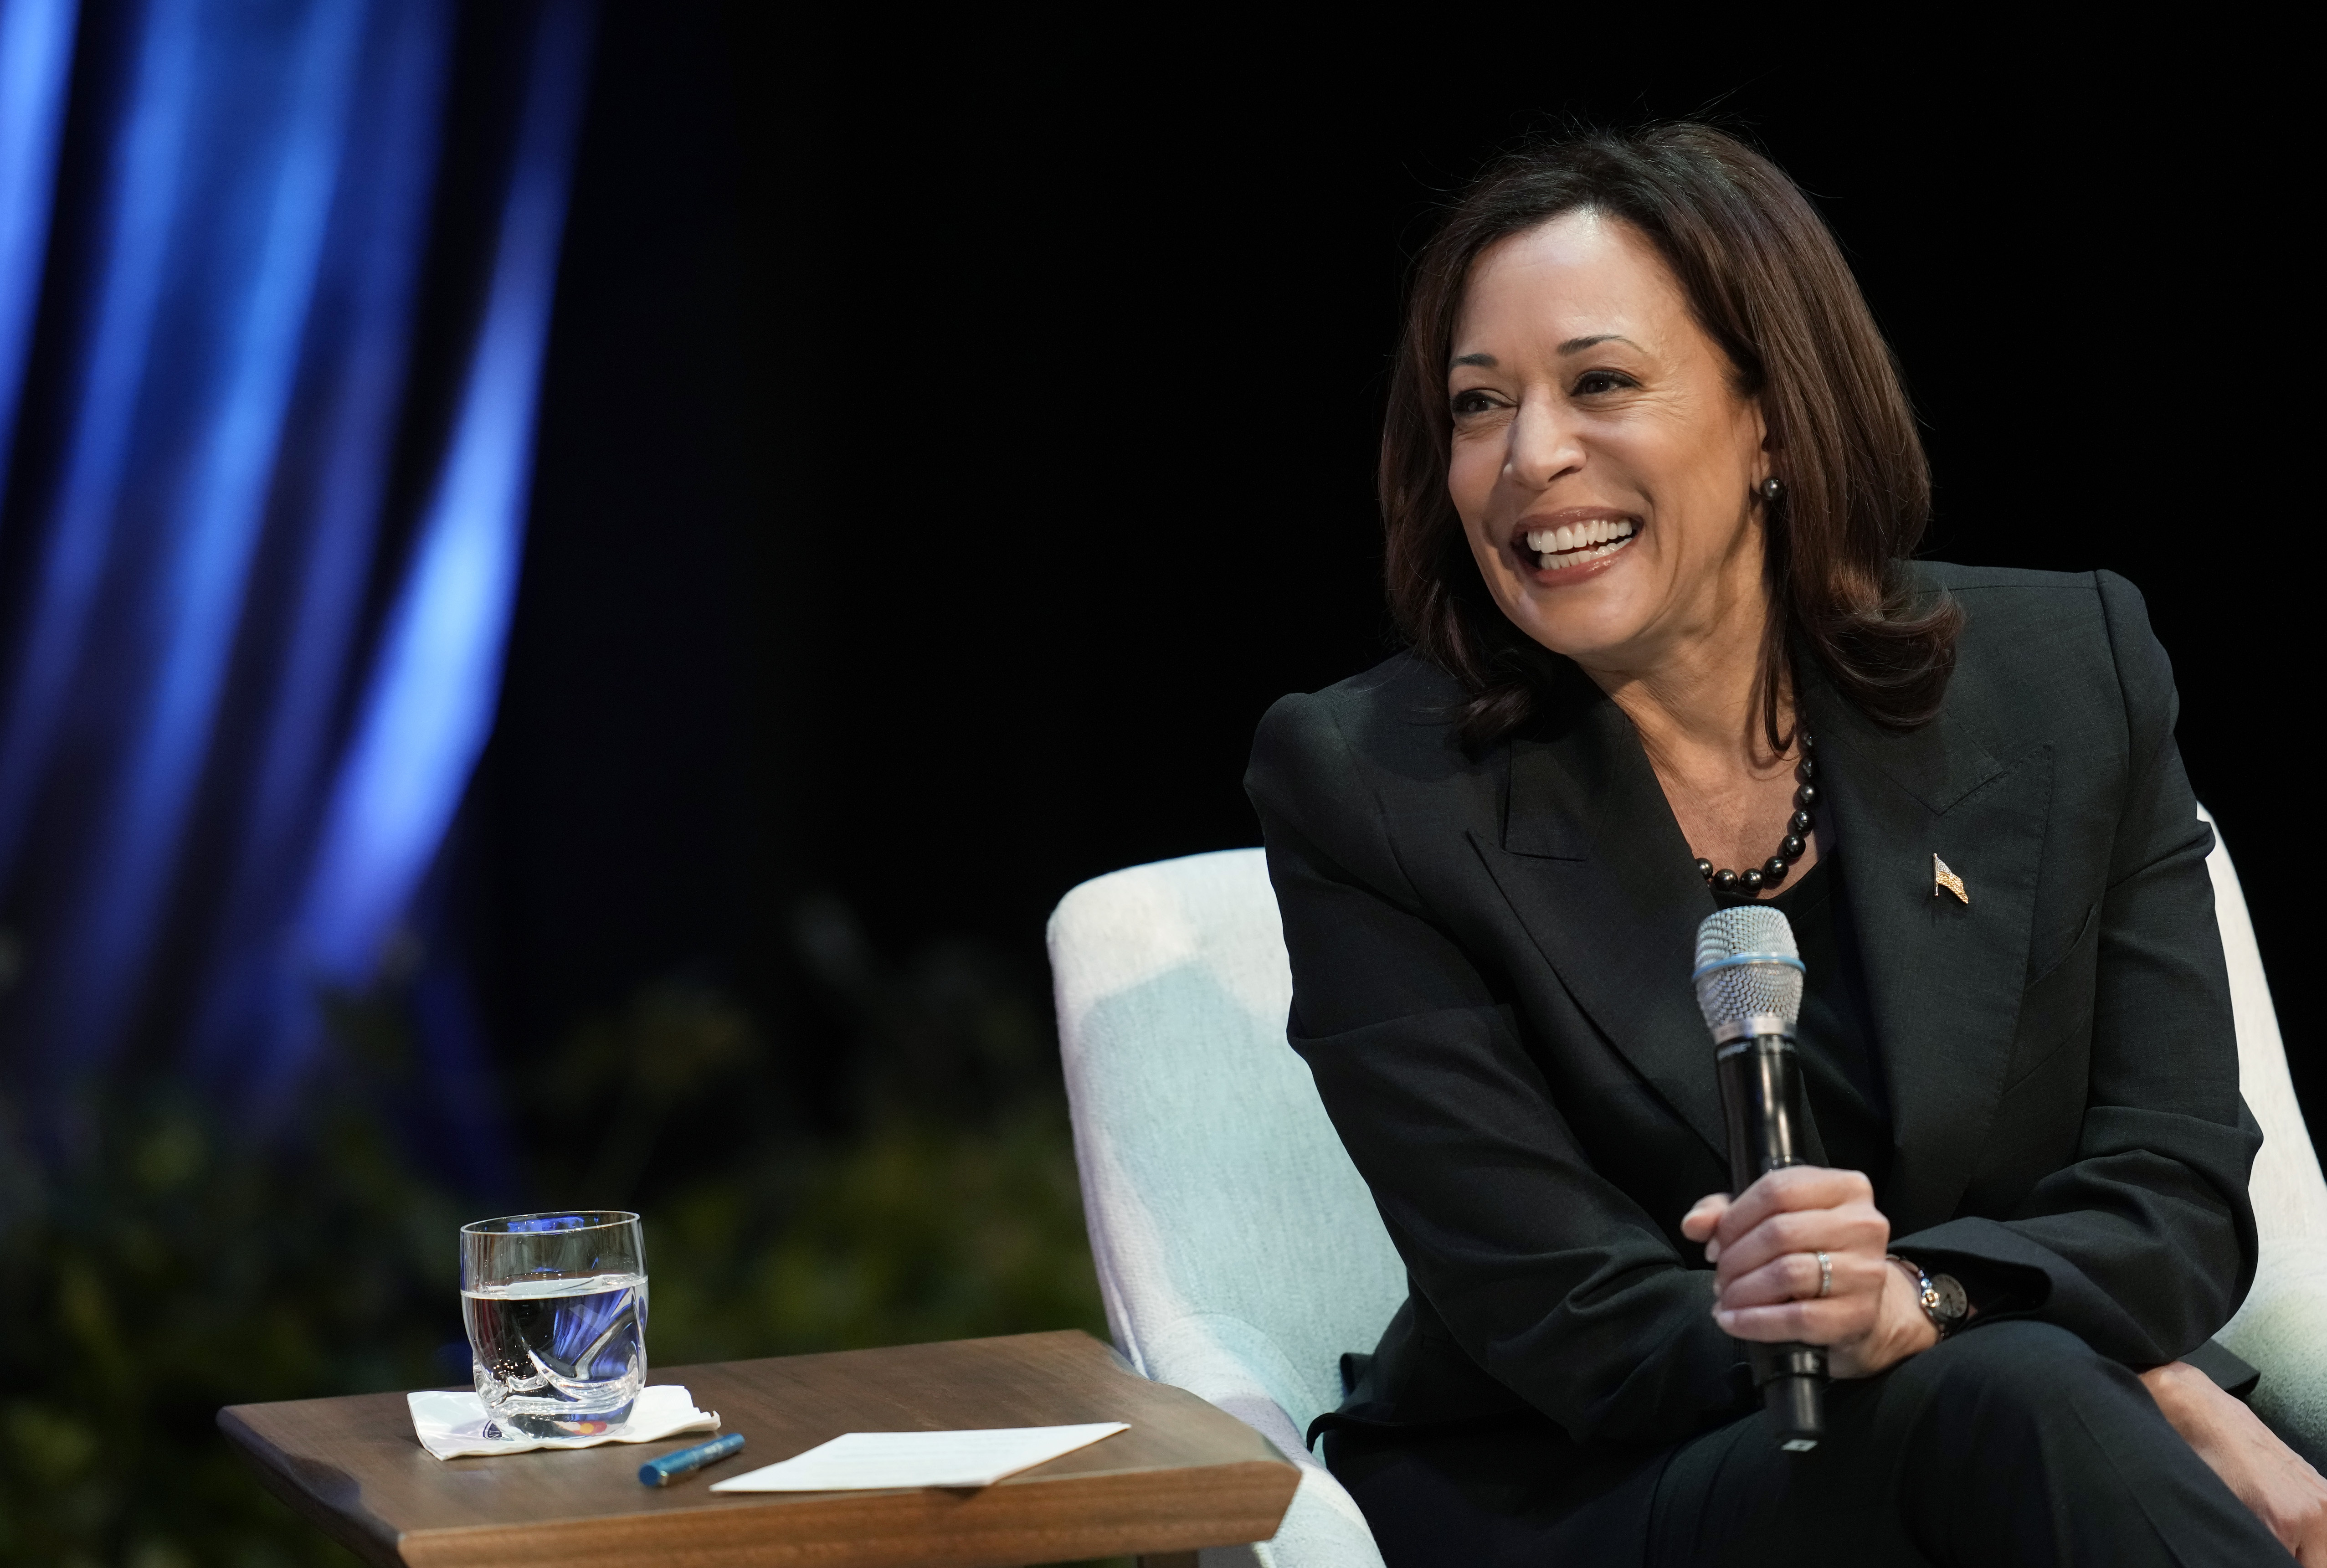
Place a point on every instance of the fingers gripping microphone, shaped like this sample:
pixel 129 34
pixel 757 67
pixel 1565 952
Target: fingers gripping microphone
pixel 1749 986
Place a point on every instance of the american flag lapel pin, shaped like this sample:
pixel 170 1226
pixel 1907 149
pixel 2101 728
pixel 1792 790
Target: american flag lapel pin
pixel 1941 877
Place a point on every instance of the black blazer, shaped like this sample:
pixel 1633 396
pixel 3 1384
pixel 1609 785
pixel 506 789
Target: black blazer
pixel 1490 962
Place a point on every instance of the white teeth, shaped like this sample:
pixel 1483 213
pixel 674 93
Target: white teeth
pixel 1561 562
pixel 1557 548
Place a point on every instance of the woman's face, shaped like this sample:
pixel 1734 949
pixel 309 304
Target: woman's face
pixel 1603 463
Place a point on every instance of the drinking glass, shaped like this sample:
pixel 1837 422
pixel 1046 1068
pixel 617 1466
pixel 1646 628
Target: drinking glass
pixel 557 1309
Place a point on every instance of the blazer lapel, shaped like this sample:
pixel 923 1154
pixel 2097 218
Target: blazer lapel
pixel 1945 977
pixel 1597 871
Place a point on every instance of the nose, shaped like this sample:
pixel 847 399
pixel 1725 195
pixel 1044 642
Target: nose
pixel 1543 445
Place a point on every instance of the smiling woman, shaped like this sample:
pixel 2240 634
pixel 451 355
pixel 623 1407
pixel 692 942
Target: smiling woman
pixel 1746 310
pixel 1651 489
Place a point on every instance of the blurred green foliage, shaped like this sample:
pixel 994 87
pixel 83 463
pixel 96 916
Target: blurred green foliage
pixel 174 1261
pixel 166 1265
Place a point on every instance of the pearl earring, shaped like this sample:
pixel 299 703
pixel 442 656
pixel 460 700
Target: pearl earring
pixel 1771 489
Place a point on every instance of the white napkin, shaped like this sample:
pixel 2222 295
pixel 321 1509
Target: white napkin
pixel 864 1460
pixel 455 1426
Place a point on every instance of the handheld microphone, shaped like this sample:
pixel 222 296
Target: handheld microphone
pixel 1749 986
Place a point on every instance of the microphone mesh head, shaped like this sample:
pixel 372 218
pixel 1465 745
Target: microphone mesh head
pixel 1749 971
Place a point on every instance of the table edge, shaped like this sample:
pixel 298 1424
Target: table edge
pixel 555 1541
pixel 356 1528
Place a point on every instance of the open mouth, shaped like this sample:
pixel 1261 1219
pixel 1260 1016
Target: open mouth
pixel 1576 544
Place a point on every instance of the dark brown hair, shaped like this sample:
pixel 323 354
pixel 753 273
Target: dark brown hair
pixel 1767 282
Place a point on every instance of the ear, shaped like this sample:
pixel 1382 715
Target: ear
pixel 1766 442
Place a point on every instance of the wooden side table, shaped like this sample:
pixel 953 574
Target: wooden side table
pixel 1186 1475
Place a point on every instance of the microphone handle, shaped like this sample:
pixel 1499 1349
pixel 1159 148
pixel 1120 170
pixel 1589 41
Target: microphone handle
pixel 1761 1097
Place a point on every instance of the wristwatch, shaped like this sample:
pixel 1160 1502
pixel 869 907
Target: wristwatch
pixel 1942 1296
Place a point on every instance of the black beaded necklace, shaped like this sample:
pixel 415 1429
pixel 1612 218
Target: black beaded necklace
pixel 1772 871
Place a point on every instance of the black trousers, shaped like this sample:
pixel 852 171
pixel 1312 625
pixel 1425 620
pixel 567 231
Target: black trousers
pixel 2012 1444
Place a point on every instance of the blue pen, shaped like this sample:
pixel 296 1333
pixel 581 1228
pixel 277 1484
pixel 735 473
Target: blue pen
pixel 661 1472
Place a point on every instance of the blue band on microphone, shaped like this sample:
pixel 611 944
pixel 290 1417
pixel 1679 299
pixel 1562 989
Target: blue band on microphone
pixel 1735 959
pixel 661 1472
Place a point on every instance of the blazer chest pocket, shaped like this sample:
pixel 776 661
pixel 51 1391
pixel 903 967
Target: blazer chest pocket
pixel 2057 1006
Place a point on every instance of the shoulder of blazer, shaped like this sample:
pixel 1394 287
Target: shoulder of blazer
pixel 1402 706
pixel 1363 764
pixel 1394 722
pixel 2049 657
pixel 1959 579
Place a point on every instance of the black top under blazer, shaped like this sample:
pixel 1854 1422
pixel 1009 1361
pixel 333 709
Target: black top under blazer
pixel 1491 983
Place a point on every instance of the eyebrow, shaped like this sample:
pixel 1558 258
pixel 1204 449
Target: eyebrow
pixel 1573 346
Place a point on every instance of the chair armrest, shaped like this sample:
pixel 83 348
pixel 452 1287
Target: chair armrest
pixel 1323 1527
pixel 2279 1329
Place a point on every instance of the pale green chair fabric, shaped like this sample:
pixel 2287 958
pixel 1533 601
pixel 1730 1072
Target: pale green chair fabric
pixel 1237 1248
pixel 1238 1251
pixel 2282 1328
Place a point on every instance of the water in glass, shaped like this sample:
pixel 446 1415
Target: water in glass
pixel 557 1309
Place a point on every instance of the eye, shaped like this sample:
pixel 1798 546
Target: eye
pixel 1465 403
pixel 1593 382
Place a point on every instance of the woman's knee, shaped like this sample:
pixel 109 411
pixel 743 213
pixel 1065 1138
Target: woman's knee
pixel 2022 1348
pixel 2017 1371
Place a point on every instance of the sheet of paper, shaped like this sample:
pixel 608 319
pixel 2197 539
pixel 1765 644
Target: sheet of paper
pixel 867 1460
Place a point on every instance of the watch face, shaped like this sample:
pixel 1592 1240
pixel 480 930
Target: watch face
pixel 1947 1300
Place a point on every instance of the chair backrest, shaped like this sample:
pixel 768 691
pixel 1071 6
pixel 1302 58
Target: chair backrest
pixel 2290 1199
pixel 1224 1215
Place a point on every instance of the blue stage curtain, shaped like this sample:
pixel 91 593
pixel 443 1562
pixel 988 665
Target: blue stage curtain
pixel 274 285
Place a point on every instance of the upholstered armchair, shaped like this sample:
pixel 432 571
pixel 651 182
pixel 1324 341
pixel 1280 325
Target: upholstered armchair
pixel 1239 1252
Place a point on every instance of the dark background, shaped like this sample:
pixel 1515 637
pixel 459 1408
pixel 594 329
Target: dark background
pixel 953 443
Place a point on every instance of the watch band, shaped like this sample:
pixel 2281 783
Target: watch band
pixel 1942 1296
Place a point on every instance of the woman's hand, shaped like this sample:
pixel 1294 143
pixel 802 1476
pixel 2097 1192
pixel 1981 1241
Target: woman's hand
pixel 2268 1477
pixel 1764 1245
